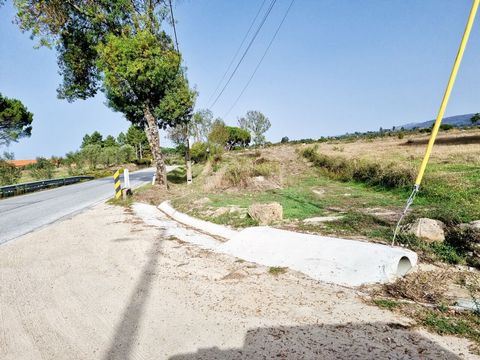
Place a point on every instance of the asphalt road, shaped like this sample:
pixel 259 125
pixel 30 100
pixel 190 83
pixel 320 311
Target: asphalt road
pixel 20 215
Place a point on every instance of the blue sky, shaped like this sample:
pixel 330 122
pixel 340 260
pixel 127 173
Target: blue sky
pixel 336 66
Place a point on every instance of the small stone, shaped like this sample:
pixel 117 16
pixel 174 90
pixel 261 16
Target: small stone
pixel 319 192
pixel 266 214
pixel 429 230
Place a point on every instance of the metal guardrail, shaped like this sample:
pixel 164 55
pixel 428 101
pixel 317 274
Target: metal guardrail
pixel 17 189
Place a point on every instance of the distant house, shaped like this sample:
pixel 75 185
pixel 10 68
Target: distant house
pixel 22 163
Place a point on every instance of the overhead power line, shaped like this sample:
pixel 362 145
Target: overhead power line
pixel 236 53
pixel 261 60
pixel 245 52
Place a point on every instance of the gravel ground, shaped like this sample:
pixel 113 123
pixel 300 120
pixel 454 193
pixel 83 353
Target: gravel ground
pixel 104 285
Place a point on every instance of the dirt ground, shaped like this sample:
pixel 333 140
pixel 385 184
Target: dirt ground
pixel 103 285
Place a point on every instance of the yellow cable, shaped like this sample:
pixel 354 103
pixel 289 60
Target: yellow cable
pixel 448 90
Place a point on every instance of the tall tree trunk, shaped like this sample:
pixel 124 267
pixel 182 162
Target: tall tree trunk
pixel 153 137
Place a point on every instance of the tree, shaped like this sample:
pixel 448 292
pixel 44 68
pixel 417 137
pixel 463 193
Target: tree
pixel 95 139
pixel 108 156
pixel 137 138
pixel 475 118
pixel 219 133
pixel 92 154
pixel 15 120
pixel 116 46
pixel 237 137
pixel 121 139
pixel 201 125
pixel 257 124
pixel 125 154
pixel 177 107
pixel 110 141
pixel 285 140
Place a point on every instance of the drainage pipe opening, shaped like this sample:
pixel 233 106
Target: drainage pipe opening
pixel 404 266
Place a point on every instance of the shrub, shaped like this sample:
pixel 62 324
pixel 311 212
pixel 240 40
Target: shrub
pixel 92 154
pixel 240 173
pixel 467 241
pixel 42 170
pixel 446 127
pixel 372 173
pixel 143 162
pixel 9 173
pixel 284 140
pixel 108 156
pixel 125 154
pixel 199 152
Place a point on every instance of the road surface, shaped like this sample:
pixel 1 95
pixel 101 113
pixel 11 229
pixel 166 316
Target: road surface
pixel 20 215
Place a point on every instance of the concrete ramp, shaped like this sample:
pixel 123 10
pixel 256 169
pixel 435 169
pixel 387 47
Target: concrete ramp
pixel 333 260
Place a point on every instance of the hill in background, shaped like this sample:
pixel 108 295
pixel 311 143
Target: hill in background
pixel 457 121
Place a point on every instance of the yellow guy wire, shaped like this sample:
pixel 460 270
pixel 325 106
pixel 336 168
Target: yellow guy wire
pixel 441 111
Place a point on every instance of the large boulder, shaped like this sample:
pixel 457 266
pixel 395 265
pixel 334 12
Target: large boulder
pixel 266 214
pixel 429 230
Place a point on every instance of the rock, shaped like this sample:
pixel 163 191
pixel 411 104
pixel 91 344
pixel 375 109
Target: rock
pixel 202 201
pixel 321 219
pixel 266 214
pixel 475 224
pixel 221 211
pixel 429 230
pixel 319 192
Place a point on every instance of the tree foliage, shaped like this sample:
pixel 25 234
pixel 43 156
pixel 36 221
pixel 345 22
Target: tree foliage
pixel 237 137
pixel 94 139
pixel 116 46
pixel 15 120
pixel 257 124
pixel 219 133
pixel 201 125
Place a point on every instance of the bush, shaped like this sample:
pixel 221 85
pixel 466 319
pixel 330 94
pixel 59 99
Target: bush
pixel 284 140
pixel 108 156
pixel 42 170
pixel 467 241
pixel 199 152
pixel 388 176
pixel 125 154
pixel 9 173
pixel 143 162
pixel 92 154
pixel 239 174
pixel 446 127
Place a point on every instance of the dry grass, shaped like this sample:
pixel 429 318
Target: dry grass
pixel 411 148
pixel 423 287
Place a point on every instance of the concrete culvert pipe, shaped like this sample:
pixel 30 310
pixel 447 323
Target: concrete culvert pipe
pixel 338 261
pixel 404 266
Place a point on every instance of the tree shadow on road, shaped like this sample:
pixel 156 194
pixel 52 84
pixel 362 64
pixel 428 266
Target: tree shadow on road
pixel 351 341
pixel 127 330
